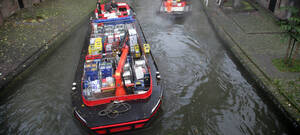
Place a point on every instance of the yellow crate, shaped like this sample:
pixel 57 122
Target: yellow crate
pixel 93 50
pixel 137 51
pixel 98 43
pixel 96 48
pixel 146 48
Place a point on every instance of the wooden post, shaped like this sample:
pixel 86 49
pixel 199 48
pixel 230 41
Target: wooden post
pixel 291 53
pixel 272 5
pixel 287 51
pixel 206 2
pixel 296 52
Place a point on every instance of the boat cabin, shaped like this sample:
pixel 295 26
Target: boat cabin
pixel 112 10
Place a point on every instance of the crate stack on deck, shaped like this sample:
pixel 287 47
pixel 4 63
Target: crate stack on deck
pixel 107 40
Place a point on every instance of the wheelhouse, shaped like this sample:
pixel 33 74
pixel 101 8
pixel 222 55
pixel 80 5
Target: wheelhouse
pixel 107 11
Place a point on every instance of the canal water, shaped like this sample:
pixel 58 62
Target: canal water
pixel 205 91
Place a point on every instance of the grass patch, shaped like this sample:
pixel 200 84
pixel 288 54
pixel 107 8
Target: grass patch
pixel 247 6
pixel 242 6
pixel 281 66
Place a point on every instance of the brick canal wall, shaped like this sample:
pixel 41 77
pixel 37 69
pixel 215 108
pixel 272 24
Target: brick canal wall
pixel 9 7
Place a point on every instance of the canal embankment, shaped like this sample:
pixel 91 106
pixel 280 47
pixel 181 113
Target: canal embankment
pixel 255 39
pixel 34 32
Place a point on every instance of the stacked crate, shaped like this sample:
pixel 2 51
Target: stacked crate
pixel 96 47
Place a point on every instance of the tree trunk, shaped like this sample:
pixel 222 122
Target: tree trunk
pixel 1 18
pixel 237 3
pixel 296 52
pixel 286 58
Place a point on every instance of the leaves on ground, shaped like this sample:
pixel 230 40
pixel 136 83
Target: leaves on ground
pixel 30 28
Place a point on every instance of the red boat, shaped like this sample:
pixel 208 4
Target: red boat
pixel 116 87
pixel 175 7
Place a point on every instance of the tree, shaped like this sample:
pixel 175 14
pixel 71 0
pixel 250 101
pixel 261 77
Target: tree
pixel 292 28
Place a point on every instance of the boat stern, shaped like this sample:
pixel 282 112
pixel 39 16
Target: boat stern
pixel 121 124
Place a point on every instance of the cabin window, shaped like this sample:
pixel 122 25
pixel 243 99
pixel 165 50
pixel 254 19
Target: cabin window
pixel 122 9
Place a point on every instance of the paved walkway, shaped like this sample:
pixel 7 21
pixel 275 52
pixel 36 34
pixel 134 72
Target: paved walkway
pixel 253 36
pixel 26 35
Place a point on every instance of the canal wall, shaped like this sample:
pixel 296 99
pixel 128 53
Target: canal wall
pixel 253 38
pixel 25 42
